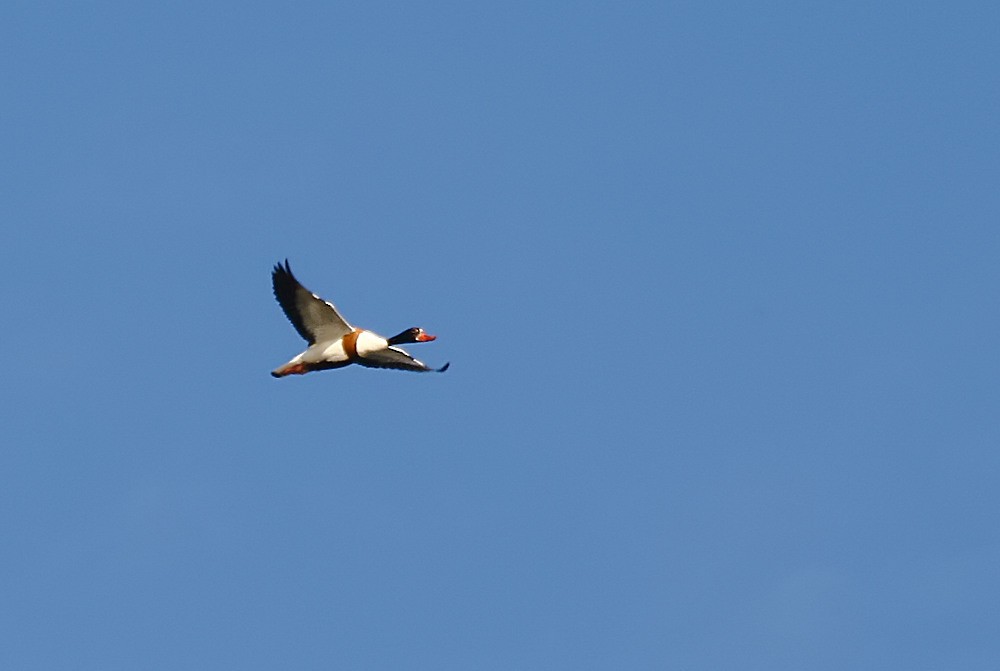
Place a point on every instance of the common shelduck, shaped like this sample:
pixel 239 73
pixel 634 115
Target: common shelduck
pixel 333 343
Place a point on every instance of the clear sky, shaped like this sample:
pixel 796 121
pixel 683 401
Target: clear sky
pixel 718 282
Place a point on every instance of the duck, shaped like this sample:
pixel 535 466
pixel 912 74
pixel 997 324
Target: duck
pixel 334 343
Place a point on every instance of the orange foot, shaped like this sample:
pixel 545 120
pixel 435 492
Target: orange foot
pixel 291 369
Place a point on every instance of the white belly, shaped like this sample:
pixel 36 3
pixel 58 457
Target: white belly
pixel 331 352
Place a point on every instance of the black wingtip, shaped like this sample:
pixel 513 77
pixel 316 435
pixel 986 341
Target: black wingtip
pixel 442 368
pixel 278 268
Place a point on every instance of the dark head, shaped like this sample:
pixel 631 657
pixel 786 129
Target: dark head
pixel 411 335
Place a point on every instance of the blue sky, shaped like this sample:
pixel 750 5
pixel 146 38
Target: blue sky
pixel 718 282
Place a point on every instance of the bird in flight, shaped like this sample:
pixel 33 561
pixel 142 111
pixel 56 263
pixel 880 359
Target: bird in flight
pixel 333 343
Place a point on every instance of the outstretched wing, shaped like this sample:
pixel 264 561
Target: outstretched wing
pixel 393 357
pixel 316 320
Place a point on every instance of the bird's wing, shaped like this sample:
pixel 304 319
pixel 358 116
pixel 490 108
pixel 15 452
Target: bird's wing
pixel 393 357
pixel 316 320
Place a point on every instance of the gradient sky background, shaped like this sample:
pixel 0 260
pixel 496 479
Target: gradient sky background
pixel 719 283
